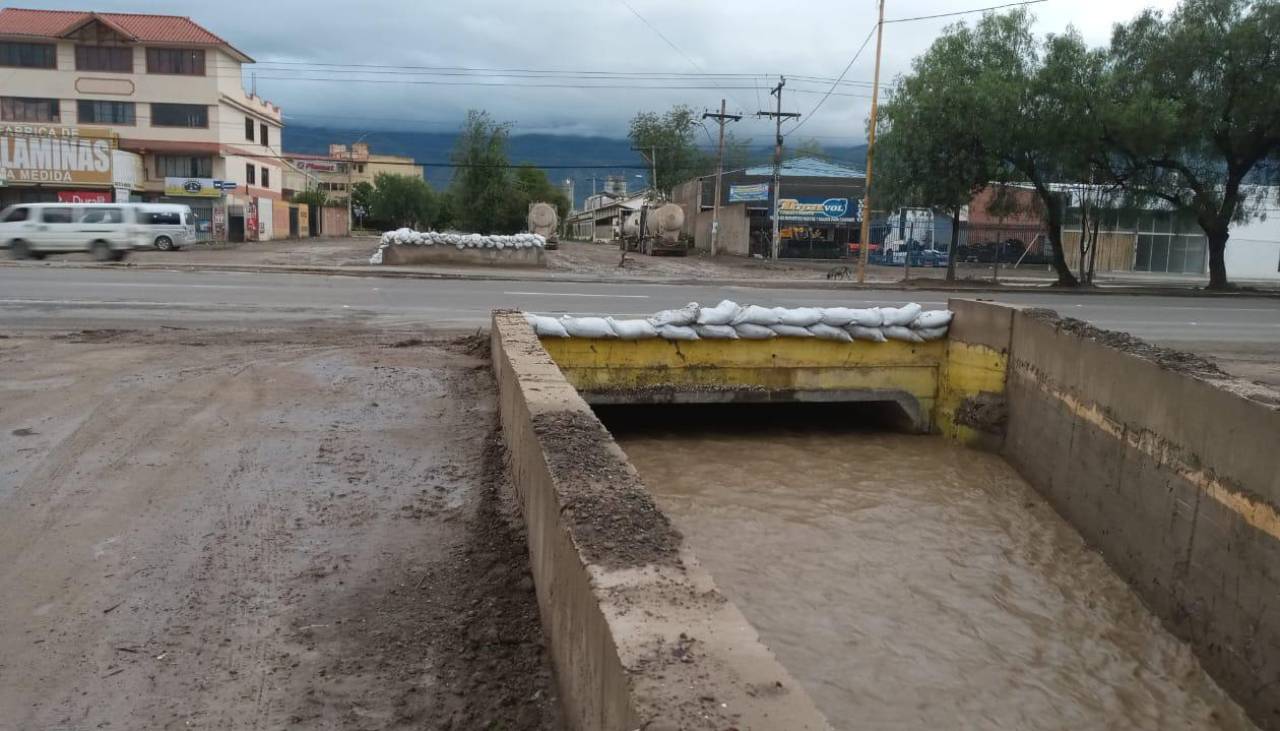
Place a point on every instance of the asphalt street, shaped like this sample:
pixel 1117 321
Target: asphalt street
pixel 74 298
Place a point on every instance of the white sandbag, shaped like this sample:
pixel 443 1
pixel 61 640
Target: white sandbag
pixel 721 314
pixel 632 329
pixel 798 316
pixel 826 332
pixel 716 332
pixel 377 256
pixel 587 327
pixel 755 315
pixel 931 333
pixel 868 334
pixel 546 327
pixel 905 334
pixel 682 317
pixel 838 316
pixel 869 317
pixel 791 331
pixel 677 332
pixel 932 319
pixel 751 331
pixel 900 316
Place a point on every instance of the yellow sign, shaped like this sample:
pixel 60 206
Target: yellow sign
pixel 191 187
pixel 46 154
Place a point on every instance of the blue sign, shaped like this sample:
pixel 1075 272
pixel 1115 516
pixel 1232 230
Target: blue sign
pixel 225 184
pixel 748 193
pixel 818 210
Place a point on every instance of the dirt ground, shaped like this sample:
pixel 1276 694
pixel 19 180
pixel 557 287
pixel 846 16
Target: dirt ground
pixel 244 530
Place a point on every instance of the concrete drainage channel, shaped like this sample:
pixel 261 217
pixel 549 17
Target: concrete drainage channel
pixel 1162 464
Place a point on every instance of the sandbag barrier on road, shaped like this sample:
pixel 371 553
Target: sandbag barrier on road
pixel 409 237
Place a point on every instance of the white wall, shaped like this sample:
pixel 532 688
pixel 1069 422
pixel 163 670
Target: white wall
pixel 1253 251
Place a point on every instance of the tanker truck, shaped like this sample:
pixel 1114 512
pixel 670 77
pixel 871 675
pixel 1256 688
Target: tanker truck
pixel 544 222
pixel 654 229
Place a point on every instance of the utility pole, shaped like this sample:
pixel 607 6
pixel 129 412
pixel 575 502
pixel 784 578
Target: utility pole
pixel 864 248
pixel 778 116
pixel 721 119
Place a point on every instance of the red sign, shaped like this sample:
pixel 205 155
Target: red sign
pixel 84 196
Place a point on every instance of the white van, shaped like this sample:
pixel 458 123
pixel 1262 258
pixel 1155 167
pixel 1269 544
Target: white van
pixel 106 230
pixel 166 226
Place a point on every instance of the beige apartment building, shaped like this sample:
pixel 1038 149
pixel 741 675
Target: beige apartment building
pixel 124 106
pixel 343 167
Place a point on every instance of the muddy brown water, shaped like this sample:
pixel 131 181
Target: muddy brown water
pixel 909 583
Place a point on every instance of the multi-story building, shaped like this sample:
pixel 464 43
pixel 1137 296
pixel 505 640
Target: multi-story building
pixel 343 167
pixel 160 87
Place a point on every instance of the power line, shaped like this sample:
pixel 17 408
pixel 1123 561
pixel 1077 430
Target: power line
pixel 848 66
pixel 964 12
pixel 625 87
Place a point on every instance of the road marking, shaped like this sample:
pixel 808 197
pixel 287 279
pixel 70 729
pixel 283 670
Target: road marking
pixel 580 294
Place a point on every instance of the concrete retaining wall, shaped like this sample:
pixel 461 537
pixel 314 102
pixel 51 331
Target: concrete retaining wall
pixel 470 256
pixel 1174 478
pixel 639 634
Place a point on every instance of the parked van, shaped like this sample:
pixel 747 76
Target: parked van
pixel 106 230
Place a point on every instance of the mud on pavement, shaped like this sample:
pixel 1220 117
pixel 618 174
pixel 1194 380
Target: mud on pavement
pixel 257 530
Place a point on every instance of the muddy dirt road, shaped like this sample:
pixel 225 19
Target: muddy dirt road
pixel 256 531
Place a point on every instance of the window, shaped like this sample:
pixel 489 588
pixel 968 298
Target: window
pixel 102 112
pixel 104 58
pixel 250 176
pixel 56 215
pixel 162 218
pixel 183 166
pixel 179 115
pixel 264 135
pixel 29 55
pixel 102 215
pixel 17 214
pixel 248 128
pixel 186 61
pixel 23 109
pixel 266 177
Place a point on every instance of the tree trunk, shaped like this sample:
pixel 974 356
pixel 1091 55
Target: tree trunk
pixel 1217 257
pixel 955 244
pixel 1053 219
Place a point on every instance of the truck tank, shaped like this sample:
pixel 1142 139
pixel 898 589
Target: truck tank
pixel 543 221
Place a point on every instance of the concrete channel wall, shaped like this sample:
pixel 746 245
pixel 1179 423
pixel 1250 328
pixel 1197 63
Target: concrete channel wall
pixel 409 254
pixel 639 635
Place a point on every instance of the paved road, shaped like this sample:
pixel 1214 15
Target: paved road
pixel 61 298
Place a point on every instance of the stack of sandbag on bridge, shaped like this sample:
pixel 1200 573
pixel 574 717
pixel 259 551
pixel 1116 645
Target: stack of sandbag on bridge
pixel 731 321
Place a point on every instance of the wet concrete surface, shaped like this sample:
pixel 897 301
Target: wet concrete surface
pixel 909 583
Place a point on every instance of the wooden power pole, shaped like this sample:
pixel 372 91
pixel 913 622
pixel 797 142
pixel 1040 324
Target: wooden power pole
pixel 721 119
pixel 864 247
pixel 778 116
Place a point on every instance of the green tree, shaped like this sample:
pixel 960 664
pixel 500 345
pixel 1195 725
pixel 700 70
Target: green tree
pixel 669 142
pixel 1194 108
pixel 402 200
pixel 311 198
pixel 534 186
pixel 362 196
pixel 482 181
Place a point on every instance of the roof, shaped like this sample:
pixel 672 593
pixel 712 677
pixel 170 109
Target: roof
pixel 809 167
pixel 137 27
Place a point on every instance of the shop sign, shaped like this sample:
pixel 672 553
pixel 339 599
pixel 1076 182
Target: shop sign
pixel 192 187
pixel 84 196
pixel 748 193
pixel 45 154
pixel 817 210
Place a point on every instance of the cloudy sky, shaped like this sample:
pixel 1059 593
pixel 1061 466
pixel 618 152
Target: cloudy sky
pixel 361 60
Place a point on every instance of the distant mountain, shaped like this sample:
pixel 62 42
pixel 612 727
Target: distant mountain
pixel 562 156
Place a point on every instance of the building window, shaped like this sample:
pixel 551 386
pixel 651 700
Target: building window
pixel 104 58
pixel 250 174
pixel 29 55
pixel 101 112
pixel 24 109
pixel 264 136
pixel 179 115
pixel 185 61
pixel 248 128
pixel 360 169
pixel 183 166
pixel 266 177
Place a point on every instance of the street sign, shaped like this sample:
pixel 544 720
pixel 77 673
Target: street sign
pixel 225 184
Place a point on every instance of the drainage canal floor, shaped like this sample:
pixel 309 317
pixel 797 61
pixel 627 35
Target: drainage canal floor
pixel 909 583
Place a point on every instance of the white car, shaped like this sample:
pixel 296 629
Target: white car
pixel 106 230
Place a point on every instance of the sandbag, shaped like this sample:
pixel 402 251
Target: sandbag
pixel 751 331
pixel 721 314
pixel 932 319
pixel 677 332
pixel 587 327
pixel 838 316
pixel 905 334
pixel 546 327
pixel 798 316
pixel 931 333
pixel 869 317
pixel 826 332
pixel 868 334
pixel 755 315
pixel 791 331
pixel 632 329
pixel 682 317
pixel 716 332
pixel 900 316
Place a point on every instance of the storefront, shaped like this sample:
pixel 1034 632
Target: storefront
pixel 207 199
pixel 49 163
